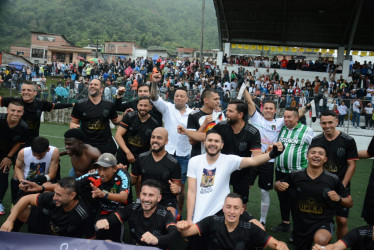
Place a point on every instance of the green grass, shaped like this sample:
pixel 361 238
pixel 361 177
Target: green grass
pixel 54 132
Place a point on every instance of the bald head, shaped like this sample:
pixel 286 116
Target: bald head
pixel 159 139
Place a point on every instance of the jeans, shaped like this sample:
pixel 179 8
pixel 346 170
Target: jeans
pixel 368 120
pixel 341 120
pixel 356 117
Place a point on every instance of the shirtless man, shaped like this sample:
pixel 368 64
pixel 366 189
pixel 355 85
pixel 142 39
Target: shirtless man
pixel 82 155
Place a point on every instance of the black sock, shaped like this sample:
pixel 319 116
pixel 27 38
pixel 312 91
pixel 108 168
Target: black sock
pixel 14 189
pixel 3 185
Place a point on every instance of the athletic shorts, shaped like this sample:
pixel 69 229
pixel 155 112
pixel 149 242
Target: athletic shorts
pixel 108 147
pixel 302 242
pixel 265 175
pixel 240 182
pixel 169 201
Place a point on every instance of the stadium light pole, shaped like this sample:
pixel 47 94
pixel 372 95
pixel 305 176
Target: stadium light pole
pixel 202 34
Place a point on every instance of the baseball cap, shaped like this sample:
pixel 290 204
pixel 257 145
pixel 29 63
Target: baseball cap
pixel 106 160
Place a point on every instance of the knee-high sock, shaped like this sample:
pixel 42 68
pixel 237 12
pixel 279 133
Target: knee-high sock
pixel 14 183
pixel 4 183
pixel 265 204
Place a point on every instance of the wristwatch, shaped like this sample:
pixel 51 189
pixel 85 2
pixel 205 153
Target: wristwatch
pixel 106 194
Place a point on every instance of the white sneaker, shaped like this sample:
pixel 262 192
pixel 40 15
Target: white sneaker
pixel 2 209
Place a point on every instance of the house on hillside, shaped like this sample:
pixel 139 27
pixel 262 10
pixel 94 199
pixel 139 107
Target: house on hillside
pixel 48 48
pixel 115 50
pixel 185 52
pixel 159 51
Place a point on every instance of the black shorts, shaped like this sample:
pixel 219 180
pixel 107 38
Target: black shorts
pixel 38 221
pixel 169 200
pixel 302 242
pixel 265 175
pixel 343 211
pixel 240 182
pixel 106 147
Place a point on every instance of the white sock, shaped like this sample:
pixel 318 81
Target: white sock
pixel 265 204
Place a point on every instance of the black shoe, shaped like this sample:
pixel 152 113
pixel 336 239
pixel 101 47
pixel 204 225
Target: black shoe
pixel 290 239
pixel 282 227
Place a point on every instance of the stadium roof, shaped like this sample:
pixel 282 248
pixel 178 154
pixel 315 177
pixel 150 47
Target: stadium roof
pixel 313 23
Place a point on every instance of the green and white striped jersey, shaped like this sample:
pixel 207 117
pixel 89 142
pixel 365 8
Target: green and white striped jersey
pixel 296 142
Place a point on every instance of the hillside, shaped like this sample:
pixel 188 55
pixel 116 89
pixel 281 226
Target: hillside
pixel 167 23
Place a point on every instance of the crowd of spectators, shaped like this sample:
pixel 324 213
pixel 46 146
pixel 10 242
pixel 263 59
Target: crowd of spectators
pixel 329 93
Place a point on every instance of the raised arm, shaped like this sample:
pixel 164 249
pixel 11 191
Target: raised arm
pixel 250 103
pixel 262 158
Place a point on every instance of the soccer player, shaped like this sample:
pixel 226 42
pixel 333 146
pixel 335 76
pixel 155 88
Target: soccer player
pixel 67 214
pixel 316 196
pixel 12 131
pixel 342 156
pixel 82 155
pixel 92 115
pixel 227 231
pixel 151 224
pixel 158 164
pixel 134 132
pixel 242 139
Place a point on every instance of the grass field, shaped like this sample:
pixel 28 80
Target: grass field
pixel 54 132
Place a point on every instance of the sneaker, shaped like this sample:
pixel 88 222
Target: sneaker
pixel 290 239
pixel 2 209
pixel 282 227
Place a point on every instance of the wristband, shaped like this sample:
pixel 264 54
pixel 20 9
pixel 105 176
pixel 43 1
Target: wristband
pixel 47 177
pixel 43 189
pixel 106 194
pixel 8 157
pixel 340 198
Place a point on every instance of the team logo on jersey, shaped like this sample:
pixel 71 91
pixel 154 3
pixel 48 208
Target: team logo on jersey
pixel 310 206
pixel 340 152
pixel 331 166
pixel 243 146
pixel 273 127
pixel 105 113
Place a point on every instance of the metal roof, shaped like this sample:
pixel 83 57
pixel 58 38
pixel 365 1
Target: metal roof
pixel 299 23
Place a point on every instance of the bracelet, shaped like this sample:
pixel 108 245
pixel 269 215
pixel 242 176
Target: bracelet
pixel 340 198
pixel 106 194
pixel 8 157
pixel 43 189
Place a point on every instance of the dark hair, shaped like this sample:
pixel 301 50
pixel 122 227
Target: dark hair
pixel 16 102
pixel 152 183
pixel 182 88
pixel 144 85
pixel 294 110
pixel 317 145
pixel 241 107
pixel 234 195
pixel 29 83
pixel 75 133
pixel 69 183
pixel 39 145
pixel 206 93
pixel 270 101
pixel 329 113
pixel 213 132
pixel 145 98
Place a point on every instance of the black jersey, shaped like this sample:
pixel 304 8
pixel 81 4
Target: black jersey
pixel 138 133
pixel 368 208
pixel 32 114
pixel 78 222
pixel 239 144
pixel 134 105
pixel 310 200
pixel 245 236
pixel 159 224
pixel 166 169
pixel 360 238
pixel 94 120
pixel 120 182
pixel 339 151
pixel 10 136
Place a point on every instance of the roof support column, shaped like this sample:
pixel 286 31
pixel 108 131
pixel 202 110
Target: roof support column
pixel 354 26
pixel 227 49
pixel 340 57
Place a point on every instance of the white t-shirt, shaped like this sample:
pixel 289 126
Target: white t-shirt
pixel 368 110
pixel 213 183
pixel 342 109
pixel 356 106
pixel 269 130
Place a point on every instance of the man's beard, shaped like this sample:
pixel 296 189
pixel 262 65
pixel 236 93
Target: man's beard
pixel 212 154
pixel 158 150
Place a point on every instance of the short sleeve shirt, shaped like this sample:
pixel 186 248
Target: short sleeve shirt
pixel 138 133
pixel 269 130
pixel 245 236
pixel 212 182
pixel 78 222
pixel 10 136
pixel 368 208
pixel 94 120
